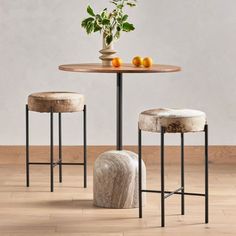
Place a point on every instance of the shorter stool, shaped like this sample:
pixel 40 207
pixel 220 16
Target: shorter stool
pixel 172 121
pixel 55 102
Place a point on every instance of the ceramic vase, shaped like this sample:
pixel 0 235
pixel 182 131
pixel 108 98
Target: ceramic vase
pixel 107 53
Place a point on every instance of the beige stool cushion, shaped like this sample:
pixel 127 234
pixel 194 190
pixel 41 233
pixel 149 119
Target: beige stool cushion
pixel 173 120
pixel 58 101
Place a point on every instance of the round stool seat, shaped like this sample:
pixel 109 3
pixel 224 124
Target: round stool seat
pixel 173 120
pixel 57 101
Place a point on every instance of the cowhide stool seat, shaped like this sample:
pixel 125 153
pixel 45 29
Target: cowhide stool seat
pixel 55 102
pixel 165 121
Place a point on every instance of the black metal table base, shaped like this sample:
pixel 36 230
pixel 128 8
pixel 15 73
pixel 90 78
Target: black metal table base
pixel 52 163
pixel 119 108
pixel 180 191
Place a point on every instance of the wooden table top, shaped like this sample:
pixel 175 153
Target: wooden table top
pixel 125 68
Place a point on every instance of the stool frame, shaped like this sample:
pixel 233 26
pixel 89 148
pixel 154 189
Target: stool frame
pixel 59 162
pixel 165 194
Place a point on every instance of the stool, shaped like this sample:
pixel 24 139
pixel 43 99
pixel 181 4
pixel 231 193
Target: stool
pixel 55 102
pixel 115 180
pixel 172 121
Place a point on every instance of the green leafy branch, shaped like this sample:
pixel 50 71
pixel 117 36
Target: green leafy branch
pixel 111 24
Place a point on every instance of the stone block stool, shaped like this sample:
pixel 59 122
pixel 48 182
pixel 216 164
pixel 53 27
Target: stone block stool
pixel 55 102
pixel 115 180
pixel 172 121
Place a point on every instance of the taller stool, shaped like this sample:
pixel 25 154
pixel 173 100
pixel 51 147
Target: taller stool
pixel 55 102
pixel 172 121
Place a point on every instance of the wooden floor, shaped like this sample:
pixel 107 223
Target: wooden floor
pixel 70 211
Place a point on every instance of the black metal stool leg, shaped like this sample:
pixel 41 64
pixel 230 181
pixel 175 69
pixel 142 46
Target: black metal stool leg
pixel 27 144
pixel 51 149
pixel 162 179
pixel 182 174
pixel 140 172
pixel 206 175
pixel 85 147
pixel 60 147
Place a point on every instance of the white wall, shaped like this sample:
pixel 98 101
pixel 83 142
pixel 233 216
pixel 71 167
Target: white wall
pixel 198 35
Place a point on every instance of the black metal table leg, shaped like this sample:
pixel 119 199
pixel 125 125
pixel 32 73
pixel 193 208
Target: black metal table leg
pixel 182 174
pixel 119 112
pixel 60 147
pixel 206 176
pixel 27 144
pixel 85 147
pixel 162 179
pixel 140 171
pixel 51 149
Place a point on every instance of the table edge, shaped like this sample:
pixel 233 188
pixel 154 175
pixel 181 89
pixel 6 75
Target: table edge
pixel 60 67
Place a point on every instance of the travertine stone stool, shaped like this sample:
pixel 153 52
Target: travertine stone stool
pixel 115 180
pixel 172 121
pixel 55 102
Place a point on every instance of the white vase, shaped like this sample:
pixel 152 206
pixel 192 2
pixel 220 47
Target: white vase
pixel 107 53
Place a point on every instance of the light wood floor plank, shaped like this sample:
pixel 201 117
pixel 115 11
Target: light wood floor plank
pixel 69 210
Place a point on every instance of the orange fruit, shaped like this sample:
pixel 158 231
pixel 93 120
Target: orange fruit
pixel 147 62
pixel 137 61
pixel 116 62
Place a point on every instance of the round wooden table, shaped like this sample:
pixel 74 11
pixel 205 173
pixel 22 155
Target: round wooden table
pixel 125 68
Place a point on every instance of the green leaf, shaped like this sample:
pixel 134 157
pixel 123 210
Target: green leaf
pixel 124 18
pixel 117 35
pixel 109 39
pixel 103 14
pixel 86 21
pixel 90 28
pixel 120 6
pixel 96 28
pixel 113 2
pixel 98 19
pixel 105 22
pixel 90 11
pixel 127 27
pixel 131 4
pixel 118 28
